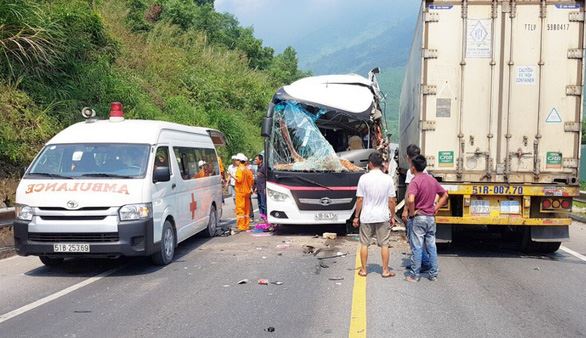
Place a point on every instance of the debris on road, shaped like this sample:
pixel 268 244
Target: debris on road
pixel 282 246
pixel 270 329
pixel 277 283
pixel 330 235
pixel 537 269
pixel 263 282
pixel 338 254
pixel 336 278
pixel 308 249
pixel 323 265
pixel 244 281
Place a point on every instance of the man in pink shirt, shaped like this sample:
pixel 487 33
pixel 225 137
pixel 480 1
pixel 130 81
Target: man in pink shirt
pixel 422 210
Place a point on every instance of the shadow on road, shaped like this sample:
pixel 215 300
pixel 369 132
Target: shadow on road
pixel 128 266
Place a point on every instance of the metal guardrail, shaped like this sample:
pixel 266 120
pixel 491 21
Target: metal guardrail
pixel 7 216
pixel 581 198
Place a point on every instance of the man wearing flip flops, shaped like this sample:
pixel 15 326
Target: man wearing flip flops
pixel 375 212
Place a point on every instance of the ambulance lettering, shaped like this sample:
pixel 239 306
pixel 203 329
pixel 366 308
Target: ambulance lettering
pixel 85 187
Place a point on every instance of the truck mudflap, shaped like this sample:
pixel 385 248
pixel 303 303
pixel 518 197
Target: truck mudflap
pixel 550 234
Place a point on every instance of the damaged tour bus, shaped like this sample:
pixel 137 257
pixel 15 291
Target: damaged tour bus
pixel 319 132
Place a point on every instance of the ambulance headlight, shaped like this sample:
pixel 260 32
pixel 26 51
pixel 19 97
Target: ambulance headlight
pixel 24 212
pixel 277 196
pixel 132 212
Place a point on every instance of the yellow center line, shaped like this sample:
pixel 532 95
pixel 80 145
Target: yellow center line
pixel 358 315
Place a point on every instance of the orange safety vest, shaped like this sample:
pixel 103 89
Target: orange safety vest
pixel 244 180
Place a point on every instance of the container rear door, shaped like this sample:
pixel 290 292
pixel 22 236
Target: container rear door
pixel 465 75
pixel 543 49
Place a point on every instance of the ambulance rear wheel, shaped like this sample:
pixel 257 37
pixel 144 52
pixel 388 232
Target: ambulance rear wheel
pixel 212 229
pixel 168 242
pixel 50 261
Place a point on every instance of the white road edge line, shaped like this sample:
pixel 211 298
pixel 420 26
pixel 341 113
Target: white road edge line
pixel 573 253
pixel 56 295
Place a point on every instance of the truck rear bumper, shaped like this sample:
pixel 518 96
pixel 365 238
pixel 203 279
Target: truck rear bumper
pixel 488 220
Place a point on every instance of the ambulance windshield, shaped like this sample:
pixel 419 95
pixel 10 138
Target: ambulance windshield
pixel 91 160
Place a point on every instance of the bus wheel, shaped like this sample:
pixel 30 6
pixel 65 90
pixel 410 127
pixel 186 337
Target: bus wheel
pixel 50 261
pixel 212 228
pixel 165 254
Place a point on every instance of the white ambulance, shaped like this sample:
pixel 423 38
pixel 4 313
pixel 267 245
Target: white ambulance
pixel 119 188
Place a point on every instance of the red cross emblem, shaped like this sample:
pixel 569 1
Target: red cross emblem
pixel 192 206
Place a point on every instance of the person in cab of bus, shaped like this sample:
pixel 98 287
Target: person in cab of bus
pixel 422 208
pixel 375 212
pixel 244 181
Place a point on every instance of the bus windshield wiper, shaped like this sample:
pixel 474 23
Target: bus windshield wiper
pixel 306 180
pixel 106 175
pixel 50 175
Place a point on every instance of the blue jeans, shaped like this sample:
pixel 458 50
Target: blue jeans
pixel 262 202
pixel 422 238
pixel 424 254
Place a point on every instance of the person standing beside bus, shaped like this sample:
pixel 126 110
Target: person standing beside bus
pixel 412 151
pixel 243 188
pixel 260 186
pixel 422 209
pixel 375 212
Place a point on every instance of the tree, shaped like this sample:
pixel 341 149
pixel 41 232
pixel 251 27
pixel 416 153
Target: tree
pixel 284 68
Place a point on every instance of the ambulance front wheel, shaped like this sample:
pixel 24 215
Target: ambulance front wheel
pixel 168 242
pixel 50 261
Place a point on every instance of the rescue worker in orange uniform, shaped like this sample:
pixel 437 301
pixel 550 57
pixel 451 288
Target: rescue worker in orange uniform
pixel 243 187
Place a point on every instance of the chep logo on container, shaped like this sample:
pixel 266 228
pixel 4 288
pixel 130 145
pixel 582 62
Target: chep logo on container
pixel 446 158
pixel 553 160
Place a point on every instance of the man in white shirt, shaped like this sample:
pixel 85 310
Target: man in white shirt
pixel 232 174
pixel 375 212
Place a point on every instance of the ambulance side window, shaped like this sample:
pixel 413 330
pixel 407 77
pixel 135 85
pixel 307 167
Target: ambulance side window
pixel 162 158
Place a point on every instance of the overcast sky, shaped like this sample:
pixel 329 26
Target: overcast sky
pixel 280 23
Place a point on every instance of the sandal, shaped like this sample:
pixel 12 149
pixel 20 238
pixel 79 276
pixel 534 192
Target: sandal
pixel 362 273
pixel 387 275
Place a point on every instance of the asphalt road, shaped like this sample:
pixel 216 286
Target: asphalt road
pixel 484 289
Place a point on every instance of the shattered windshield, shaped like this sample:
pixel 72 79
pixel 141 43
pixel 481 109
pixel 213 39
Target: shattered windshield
pixel 297 144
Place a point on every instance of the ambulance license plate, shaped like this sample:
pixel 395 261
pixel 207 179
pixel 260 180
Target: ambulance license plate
pixel 71 247
pixel 326 216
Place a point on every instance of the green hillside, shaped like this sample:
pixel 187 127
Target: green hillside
pixel 391 81
pixel 175 60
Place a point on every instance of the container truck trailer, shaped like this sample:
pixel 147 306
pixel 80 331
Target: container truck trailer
pixel 493 96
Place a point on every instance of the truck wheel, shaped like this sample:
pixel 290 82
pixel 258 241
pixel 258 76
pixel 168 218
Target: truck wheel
pixel 50 261
pixel 212 229
pixel 549 247
pixel 168 241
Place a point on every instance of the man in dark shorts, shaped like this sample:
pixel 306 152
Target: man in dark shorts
pixel 375 212
pixel 422 209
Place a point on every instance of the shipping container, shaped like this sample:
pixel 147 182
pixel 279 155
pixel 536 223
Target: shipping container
pixel 493 96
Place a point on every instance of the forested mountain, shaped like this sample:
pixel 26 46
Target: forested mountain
pixel 176 60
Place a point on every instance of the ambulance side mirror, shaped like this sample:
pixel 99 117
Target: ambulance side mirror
pixel 267 125
pixel 161 174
